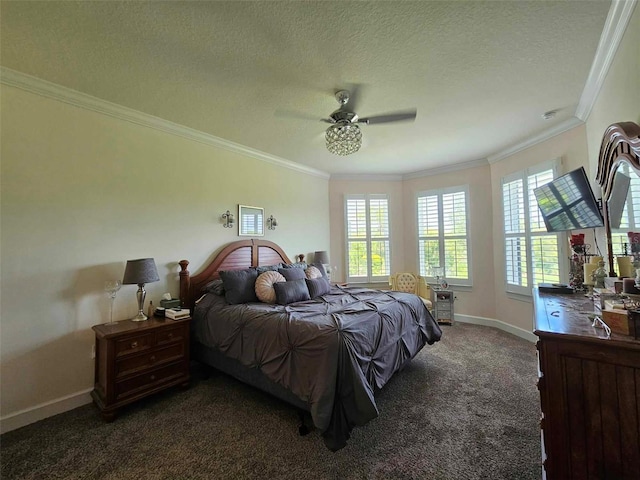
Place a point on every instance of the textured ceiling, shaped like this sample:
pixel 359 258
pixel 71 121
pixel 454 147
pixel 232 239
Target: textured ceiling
pixel 263 73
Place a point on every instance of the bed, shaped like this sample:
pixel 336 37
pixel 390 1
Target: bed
pixel 327 355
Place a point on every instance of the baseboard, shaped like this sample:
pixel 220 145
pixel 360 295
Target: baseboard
pixel 499 324
pixel 44 410
pixel 64 404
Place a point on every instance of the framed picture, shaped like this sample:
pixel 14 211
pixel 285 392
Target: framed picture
pixel 251 221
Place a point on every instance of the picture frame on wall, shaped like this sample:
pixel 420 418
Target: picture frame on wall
pixel 251 221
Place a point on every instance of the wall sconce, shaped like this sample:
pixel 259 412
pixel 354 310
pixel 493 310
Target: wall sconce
pixel 228 219
pixel 272 223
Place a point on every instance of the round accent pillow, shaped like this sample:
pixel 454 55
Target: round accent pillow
pixel 312 272
pixel 264 286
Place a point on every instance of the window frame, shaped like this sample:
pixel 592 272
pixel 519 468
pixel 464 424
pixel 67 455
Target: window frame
pixel 439 192
pixel 562 237
pixel 367 197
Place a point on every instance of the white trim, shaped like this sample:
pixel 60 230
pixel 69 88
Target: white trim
pixel 367 197
pixel 499 324
pixel 439 192
pixel 373 177
pixel 44 410
pixel 523 175
pixel 565 126
pixel 617 20
pixel 88 102
pixel 446 169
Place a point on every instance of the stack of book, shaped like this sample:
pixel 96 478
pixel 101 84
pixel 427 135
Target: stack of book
pixel 176 313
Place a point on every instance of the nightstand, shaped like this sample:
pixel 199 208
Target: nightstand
pixel 137 359
pixel 443 306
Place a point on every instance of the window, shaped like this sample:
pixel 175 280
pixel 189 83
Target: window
pixel 532 255
pixel 368 255
pixel 630 218
pixel 443 238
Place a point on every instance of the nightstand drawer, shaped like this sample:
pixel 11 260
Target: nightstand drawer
pixel 136 363
pixel 148 380
pixel 134 344
pixel 170 335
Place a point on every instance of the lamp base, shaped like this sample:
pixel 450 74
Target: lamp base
pixel 141 317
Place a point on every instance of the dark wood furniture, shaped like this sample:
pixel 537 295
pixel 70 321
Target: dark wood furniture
pixel 137 359
pixel 589 393
pixel 236 255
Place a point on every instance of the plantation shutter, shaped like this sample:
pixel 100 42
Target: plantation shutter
pixel 532 255
pixel 368 243
pixel 443 234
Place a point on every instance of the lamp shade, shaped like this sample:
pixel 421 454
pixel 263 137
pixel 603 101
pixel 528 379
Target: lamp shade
pixel 142 270
pixel 321 256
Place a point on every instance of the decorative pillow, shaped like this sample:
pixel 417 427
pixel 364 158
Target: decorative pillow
pixel 239 285
pixel 216 286
pixel 291 291
pixel 321 268
pixel 318 286
pixel 312 272
pixel 268 268
pixel 292 273
pixel 264 286
pixel 302 265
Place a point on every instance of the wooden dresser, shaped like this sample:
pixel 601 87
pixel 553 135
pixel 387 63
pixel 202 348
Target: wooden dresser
pixel 589 393
pixel 136 359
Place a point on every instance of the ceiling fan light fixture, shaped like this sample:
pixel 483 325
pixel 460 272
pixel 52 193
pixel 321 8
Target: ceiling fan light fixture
pixel 343 138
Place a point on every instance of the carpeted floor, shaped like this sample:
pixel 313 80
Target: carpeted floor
pixel 466 408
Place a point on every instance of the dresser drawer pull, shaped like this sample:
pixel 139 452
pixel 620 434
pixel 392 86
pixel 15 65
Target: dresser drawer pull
pixel 152 377
pixel 170 335
pixel 152 358
pixel 134 344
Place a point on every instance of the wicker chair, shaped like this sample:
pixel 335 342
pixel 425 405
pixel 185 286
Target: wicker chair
pixel 411 283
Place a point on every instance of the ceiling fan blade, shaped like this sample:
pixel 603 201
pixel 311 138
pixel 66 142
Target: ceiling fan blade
pixel 409 115
pixel 355 92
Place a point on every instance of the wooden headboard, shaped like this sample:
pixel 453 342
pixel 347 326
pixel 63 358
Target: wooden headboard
pixel 235 256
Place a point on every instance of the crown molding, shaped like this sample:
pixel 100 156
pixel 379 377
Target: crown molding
pixel 617 20
pixel 367 177
pixel 446 169
pixel 73 97
pixel 565 126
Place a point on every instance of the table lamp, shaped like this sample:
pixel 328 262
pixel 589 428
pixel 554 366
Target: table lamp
pixel 140 271
pixel 321 256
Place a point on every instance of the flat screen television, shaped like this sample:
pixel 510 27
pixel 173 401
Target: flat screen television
pixel 568 203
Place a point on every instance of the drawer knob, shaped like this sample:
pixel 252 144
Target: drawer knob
pixel 152 358
pixel 153 377
pixel 134 344
pixel 170 335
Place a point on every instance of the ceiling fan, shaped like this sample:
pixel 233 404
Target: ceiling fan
pixel 343 137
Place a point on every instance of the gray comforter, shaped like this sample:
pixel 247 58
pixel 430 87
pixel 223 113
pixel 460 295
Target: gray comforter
pixel 332 352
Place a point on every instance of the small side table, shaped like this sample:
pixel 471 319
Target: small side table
pixel 443 306
pixel 137 359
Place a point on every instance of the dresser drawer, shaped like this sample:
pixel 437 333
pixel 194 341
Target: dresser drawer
pixel 170 335
pixel 136 363
pixel 149 380
pixel 134 344
pixel 137 359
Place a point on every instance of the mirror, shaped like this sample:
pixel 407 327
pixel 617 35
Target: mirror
pixel 619 158
pixel 623 209
pixel 250 221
